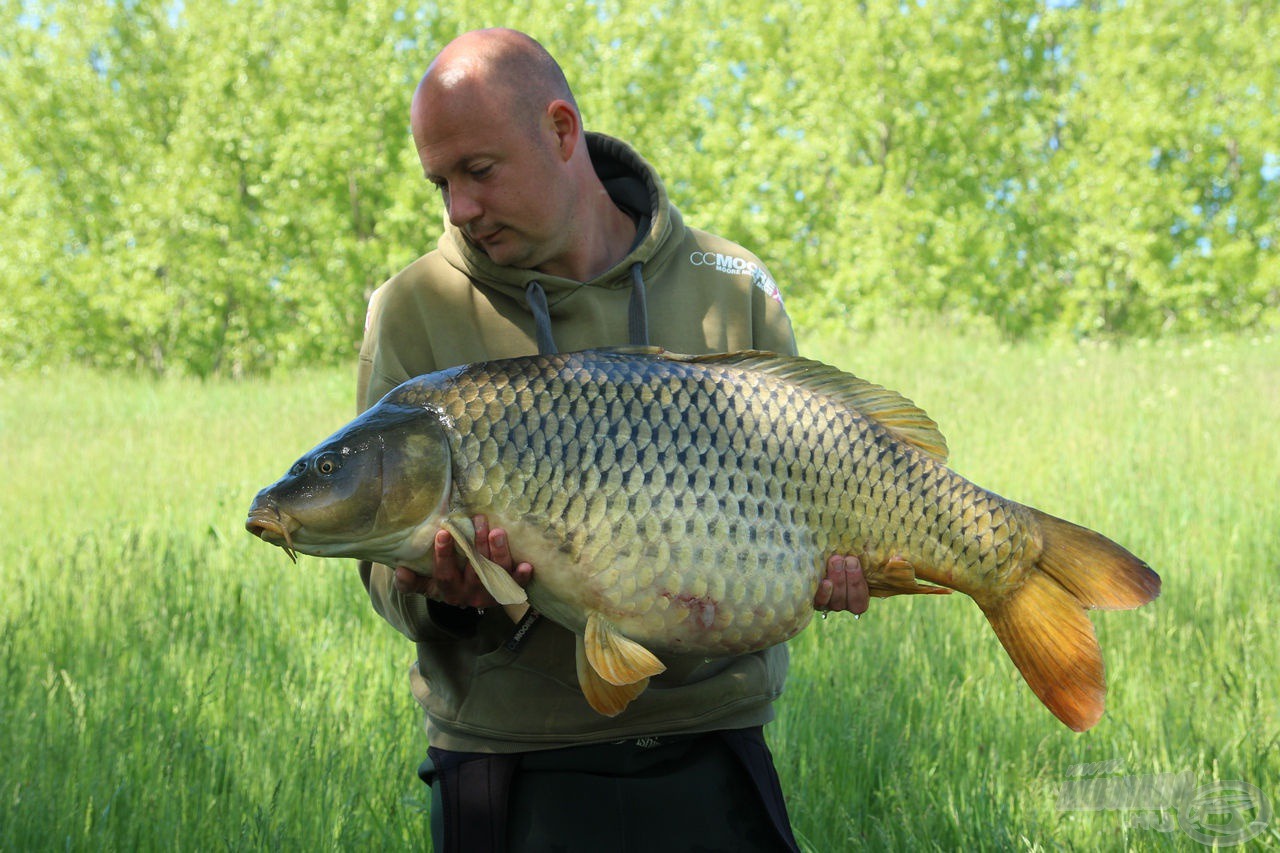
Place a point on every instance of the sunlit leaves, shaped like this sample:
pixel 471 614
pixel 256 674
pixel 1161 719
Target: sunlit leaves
pixel 216 187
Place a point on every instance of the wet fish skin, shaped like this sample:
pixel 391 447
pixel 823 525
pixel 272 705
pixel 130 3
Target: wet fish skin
pixel 688 504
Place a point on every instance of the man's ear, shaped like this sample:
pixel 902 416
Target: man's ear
pixel 567 125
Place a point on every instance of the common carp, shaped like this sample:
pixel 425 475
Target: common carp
pixel 687 504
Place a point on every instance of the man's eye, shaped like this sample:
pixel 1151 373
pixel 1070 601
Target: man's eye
pixel 480 172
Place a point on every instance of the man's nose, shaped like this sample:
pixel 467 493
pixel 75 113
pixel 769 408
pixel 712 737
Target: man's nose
pixel 463 208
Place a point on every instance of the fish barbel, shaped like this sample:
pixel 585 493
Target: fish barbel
pixel 688 504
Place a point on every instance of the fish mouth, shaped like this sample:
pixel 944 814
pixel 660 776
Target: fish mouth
pixel 271 525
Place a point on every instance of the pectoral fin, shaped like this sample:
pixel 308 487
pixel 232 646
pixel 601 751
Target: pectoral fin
pixel 605 698
pixel 617 659
pixel 495 578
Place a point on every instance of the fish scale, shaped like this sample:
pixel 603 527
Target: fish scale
pixel 688 504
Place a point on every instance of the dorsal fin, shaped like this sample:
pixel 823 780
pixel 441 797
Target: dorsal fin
pixel 894 412
pixel 638 349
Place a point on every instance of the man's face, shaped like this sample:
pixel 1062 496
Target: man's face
pixel 499 174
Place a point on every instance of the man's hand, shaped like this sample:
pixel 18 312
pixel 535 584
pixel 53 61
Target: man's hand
pixel 844 587
pixel 454 581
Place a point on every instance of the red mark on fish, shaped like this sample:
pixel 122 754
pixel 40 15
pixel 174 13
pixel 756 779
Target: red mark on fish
pixel 701 607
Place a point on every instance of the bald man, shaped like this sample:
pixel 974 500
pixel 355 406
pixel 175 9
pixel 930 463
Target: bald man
pixel 558 239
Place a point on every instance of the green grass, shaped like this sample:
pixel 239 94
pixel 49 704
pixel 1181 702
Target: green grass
pixel 167 682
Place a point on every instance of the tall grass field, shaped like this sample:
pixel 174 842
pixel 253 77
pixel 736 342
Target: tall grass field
pixel 167 682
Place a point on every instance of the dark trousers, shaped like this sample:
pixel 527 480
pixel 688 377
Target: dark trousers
pixel 709 792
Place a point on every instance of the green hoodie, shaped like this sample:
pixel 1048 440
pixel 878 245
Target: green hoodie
pixel 679 288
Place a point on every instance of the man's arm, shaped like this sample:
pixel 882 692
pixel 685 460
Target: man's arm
pixel 844 587
pixel 398 595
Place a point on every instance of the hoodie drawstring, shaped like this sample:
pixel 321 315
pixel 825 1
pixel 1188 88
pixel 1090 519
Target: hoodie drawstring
pixel 637 313
pixel 536 298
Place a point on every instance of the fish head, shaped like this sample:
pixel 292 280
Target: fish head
pixel 374 490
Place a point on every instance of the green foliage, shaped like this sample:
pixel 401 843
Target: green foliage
pixel 216 187
pixel 212 186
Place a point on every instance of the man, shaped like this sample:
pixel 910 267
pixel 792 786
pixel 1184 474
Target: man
pixel 558 239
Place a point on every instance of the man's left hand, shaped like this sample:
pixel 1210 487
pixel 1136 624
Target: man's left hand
pixel 844 587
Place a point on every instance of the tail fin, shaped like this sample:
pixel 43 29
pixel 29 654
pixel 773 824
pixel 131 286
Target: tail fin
pixel 1043 626
pixel 1097 571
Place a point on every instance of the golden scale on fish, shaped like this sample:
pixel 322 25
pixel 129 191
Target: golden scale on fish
pixel 630 478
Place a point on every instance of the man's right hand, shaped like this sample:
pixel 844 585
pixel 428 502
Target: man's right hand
pixel 454 581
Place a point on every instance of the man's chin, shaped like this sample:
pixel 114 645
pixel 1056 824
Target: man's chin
pixel 503 249
pixel 509 256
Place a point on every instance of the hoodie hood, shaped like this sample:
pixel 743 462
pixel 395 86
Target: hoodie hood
pixel 636 188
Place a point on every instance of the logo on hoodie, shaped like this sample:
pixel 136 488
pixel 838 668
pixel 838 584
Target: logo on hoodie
pixel 734 265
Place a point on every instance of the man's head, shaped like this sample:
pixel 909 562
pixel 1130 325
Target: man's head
pixel 518 69
pixel 498 131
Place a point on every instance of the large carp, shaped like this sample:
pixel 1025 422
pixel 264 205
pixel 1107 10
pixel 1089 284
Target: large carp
pixel 687 504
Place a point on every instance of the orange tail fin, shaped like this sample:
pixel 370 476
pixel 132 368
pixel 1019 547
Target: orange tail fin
pixel 1043 625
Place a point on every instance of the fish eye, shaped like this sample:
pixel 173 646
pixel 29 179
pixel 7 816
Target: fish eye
pixel 326 464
